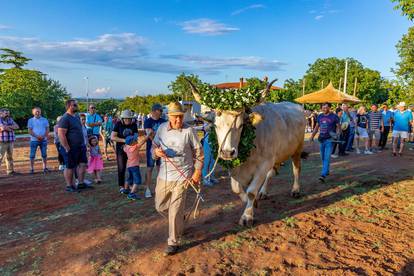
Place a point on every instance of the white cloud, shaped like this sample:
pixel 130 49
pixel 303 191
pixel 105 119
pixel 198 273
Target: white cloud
pixel 205 26
pixel 4 27
pixel 318 17
pixel 157 19
pixel 251 7
pixel 215 64
pixel 102 91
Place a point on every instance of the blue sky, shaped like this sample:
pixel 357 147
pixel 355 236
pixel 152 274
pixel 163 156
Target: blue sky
pixel 129 47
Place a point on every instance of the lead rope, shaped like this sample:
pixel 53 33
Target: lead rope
pixel 219 149
pixel 189 182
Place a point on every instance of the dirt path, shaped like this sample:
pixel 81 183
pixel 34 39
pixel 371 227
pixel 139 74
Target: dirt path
pixel 361 222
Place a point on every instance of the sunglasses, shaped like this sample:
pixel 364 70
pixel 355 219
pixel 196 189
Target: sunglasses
pixel 92 107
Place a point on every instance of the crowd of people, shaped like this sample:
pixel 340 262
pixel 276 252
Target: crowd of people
pixel 368 131
pixel 174 150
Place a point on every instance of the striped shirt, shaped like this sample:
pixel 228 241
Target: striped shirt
pixel 7 136
pixel 374 120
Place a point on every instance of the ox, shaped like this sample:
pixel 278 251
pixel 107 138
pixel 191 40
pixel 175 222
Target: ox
pixel 280 130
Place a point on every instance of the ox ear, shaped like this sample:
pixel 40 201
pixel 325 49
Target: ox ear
pixel 265 91
pixel 255 118
pixel 194 89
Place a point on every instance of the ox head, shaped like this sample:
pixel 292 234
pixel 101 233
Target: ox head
pixel 229 124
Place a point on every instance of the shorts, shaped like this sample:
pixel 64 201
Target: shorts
pixel 361 132
pixel 150 161
pixel 374 133
pixel 43 148
pixel 134 176
pixel 400 134
pixel 74 157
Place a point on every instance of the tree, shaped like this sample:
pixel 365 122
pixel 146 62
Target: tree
pixel 405 67
pixel 322 71
pixel 109 106
pixel 406 7
pixel 143 104
pixel 13 57
pixel 21 90
pixel 181 88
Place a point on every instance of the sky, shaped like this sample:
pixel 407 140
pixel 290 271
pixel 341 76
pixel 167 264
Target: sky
pixel 132 47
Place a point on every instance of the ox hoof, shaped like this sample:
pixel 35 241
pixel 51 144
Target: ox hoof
pixel 248 222
pixel 296 194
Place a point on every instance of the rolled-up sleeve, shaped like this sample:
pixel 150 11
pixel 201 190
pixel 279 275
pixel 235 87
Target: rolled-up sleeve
pixel 155 141
pixel 197 150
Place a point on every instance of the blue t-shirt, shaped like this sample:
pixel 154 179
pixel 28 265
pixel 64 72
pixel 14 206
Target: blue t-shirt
pixel 38 126
pixel 386 117
pixel 402 120
pixel 327 123
pixel 154 125
pixel 90 119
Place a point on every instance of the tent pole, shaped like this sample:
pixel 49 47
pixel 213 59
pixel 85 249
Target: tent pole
pixel 346 75
pixel 355 86
pixel 340 84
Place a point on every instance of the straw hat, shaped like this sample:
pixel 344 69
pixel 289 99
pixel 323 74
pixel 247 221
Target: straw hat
pixel 175 108
pixel 401 104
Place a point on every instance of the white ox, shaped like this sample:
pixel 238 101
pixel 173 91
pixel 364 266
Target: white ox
pixel 280 130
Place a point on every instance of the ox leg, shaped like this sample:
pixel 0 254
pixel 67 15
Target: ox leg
pixel 296 165
pixel 238 189
pixel 263 190
pixel 252 192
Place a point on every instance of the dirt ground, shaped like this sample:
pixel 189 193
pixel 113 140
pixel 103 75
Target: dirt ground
pixel 361 222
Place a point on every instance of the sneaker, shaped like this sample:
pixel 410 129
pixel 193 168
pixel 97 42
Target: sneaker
pixel 122 190
pixel 71 189
pixel 61 167
pixel 46 170
pixel 31 171
pixel 334 156
pixel 148 193
pixel 368 152
pixel 171 250
pixel 76 182
pixel 133 196
pixel 208 183
pixel 358 151
pixel 322 179
pixel 87 181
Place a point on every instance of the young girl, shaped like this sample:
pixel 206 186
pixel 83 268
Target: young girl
pixel 131 148
pixel 95 165
pixel 361 131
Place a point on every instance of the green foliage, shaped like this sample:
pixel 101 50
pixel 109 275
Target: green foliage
pixel 246 144
pixel 406 7
pixel 14 58
pixel 292 89
pixel 232 99
pixel 109 106
pixel 180 87
pixel 405 67
pixel 21 90
pixel 143 104
pixel 369 88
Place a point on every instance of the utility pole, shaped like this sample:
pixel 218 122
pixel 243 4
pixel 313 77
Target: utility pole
pixel 87 92
pixel 346 75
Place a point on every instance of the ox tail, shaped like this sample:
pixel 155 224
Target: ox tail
pixel 304 155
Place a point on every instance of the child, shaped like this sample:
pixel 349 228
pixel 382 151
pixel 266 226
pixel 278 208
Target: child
pixel 131 148
pixel 95 165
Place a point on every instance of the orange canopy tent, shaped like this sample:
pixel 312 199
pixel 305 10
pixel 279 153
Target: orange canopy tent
pixel 327 95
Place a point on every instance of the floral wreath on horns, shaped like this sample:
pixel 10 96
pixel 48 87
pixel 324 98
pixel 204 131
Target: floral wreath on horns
pixel 233 99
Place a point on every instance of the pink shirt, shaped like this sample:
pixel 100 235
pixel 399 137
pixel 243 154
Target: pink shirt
pixel 133 155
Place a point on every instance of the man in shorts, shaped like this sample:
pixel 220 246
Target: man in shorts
pixel 376 126
pixel 402 120
pixel 73 146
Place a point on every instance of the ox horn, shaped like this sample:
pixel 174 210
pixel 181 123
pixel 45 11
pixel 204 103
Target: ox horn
pixel 194 89
pixel 265 92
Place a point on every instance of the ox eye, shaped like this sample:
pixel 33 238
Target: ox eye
pixel 218 113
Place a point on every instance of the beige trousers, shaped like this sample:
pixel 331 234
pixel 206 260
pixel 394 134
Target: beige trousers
pixel 170 195
pixel 6 150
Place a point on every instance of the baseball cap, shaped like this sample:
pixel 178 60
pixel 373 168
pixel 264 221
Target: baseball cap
pixel 156 106
pixel 131 138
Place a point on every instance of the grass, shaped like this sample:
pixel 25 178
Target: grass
pixel 376 245
pixel 382 212
pixel 235 243
pixel 334 210
pixel 353 200
pixel 109 268
pixel 290 222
